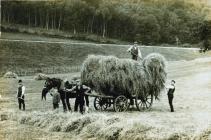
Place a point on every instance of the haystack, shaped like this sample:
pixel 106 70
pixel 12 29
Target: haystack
pixel 109 75
pixel 10 75
pixel 40 76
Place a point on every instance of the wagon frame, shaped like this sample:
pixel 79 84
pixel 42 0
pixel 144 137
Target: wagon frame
pixel 121 103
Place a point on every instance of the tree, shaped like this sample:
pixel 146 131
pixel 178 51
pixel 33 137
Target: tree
pixel 148 29
pixel 104 13
pixel 150 21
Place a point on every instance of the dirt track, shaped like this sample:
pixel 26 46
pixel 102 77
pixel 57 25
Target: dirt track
pixel 192 119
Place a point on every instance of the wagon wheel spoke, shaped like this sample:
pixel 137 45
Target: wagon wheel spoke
pixel 97 103
pixel 140 103
pixel 120 104
pixel 148 102
pixel 143 106
pixel 144 103
pixel 104 107
pixel 100 103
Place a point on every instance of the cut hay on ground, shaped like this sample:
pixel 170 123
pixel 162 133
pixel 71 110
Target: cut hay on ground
pixel 104 126
pixel 10 75
pixel 92 125
pixel 40 76
pixel 110 75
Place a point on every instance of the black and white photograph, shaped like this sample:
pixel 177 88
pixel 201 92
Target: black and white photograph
pixel 105 69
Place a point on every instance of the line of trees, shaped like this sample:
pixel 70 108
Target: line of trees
pixel 148 21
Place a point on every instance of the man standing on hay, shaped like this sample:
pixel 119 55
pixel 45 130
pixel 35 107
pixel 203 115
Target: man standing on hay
pixel 135 51
pixel 20 94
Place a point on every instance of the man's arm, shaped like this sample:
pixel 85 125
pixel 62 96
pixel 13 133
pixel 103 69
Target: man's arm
pixel 129 49
pixel 167 87
pixel 51 92
pixel 23 91
pixel 139 53
pixel 17 94
pixel 59 97
pixel 86 88
pixel 72 89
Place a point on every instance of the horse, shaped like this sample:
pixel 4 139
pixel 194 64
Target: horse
pixel 61 87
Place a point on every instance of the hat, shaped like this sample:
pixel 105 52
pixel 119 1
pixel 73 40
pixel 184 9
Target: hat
pixel 19 81
pixel 173 81
pixel 135 42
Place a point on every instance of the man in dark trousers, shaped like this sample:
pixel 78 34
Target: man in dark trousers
pixel 20 94
pixel 170 93
pixel 135 51
pixel 80 91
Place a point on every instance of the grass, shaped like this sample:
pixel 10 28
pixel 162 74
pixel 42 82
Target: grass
pixel 40 122
pixel 190 121
pixel 57 34
pixel 34 37
pixel 39 119
pixel 23 57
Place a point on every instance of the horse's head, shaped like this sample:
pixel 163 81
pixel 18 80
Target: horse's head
pixel 49 84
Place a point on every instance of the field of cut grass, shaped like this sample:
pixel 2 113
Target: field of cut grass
pixel 23 52
pixel 33 37
pixel 190 121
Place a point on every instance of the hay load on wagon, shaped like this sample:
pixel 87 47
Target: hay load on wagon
pixel 111 76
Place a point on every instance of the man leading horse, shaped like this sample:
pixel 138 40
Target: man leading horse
pixel 65 94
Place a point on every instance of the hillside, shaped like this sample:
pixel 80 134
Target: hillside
pixel 148 21
pixel 40 53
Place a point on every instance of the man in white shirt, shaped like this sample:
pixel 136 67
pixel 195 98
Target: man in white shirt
pixel 135 51
pixel 170 92
pixel 20 94
pixel 81 91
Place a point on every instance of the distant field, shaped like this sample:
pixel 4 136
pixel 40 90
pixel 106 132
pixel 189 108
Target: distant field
pixel 24 36
pixel 29 52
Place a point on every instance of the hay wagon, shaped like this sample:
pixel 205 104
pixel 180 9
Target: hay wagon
pixel 118 81
pixel 121 103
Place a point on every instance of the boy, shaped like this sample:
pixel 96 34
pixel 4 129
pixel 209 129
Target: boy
pixel 56 98
pixel 20 94
pixel 170 93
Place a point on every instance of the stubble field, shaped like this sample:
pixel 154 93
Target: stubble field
pixel 191 119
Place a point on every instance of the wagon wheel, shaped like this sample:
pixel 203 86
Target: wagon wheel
pixel 144 103
pixel 100 103
pixel 120 103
